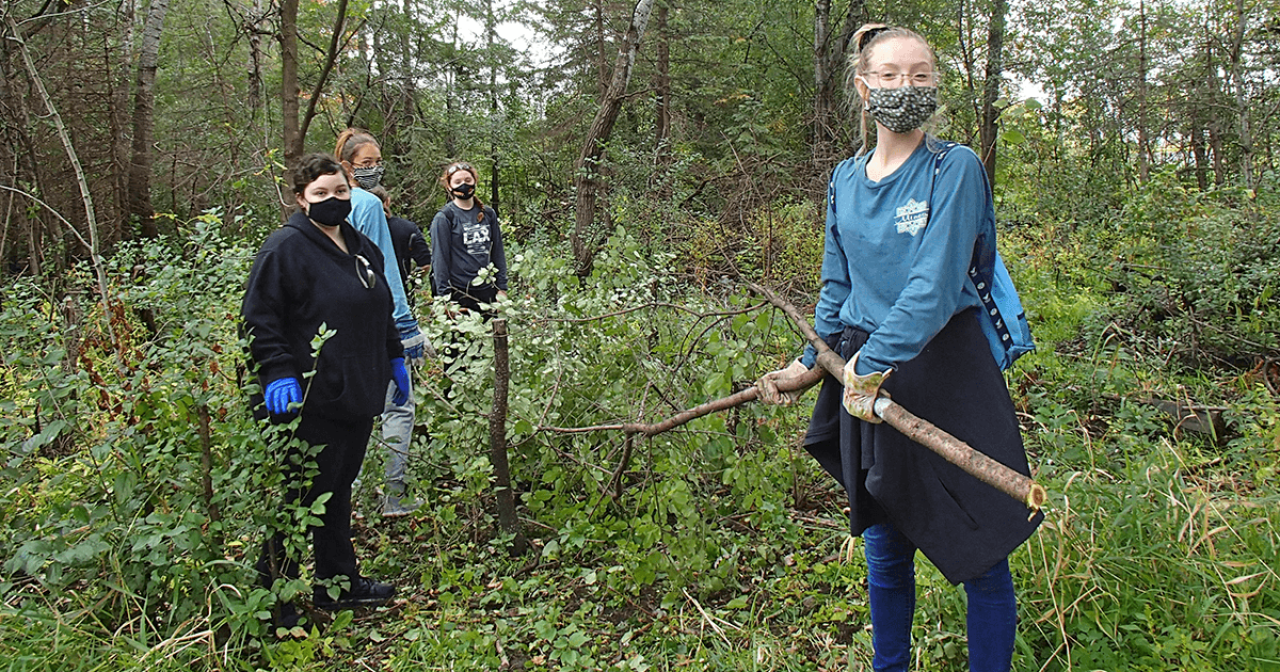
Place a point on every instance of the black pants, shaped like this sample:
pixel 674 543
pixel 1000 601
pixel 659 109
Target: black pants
pixel 339 463
pixel 470 299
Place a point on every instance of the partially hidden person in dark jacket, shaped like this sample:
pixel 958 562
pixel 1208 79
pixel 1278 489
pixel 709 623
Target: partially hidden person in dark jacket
pixel 411 246
pixel 318 270
pixel 465 239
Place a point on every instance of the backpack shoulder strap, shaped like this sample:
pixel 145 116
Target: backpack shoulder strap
pixel 852 163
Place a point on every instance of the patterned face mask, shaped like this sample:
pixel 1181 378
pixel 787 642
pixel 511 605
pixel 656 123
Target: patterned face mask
pixel 903 109
pixel 369 177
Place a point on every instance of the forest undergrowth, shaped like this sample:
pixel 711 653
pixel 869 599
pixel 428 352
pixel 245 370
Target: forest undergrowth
pixel 137 487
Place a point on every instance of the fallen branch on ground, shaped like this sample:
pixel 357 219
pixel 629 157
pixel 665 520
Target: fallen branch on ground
pixel 955 451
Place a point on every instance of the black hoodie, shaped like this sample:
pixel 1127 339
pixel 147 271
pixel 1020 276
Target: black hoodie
pixel 300 280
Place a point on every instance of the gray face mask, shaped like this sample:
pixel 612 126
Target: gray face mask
pixel 903 109
pixel 368 178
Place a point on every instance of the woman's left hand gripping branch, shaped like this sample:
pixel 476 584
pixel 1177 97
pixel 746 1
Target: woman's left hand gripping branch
pixel 861 391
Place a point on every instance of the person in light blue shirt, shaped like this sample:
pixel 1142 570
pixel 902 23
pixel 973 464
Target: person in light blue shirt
pixel 905 223
pixel 361 157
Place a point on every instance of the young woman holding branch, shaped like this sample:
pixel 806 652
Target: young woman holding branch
pixel 904 226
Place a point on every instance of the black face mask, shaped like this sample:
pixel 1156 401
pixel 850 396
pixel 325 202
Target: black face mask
pixel 464 191
pixel 330 212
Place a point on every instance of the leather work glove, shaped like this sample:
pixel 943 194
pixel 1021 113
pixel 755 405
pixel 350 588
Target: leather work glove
pixel 280 394
pixel 413 341
pixel 768 385
pixel 401 377
pixel 860 392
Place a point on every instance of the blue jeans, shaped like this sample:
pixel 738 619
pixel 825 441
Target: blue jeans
pixel 891 578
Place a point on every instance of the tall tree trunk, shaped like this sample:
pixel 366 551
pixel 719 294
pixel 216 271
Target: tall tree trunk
pixel 602 63
pixel 586 176
pixel 830 52
pixel 1144 166
pixel 295 128
pixel 144 119
pixel 1201 160
pixel 118 64
pixel 256 57
pixel 450 88
pixel 490 29
pixel 662 89
pixel 1240 91
pixel 987 131
pixel 823 93
pixel 289 80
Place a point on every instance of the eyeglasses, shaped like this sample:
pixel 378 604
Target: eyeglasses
pixel 893 79
pixel 365 272
pixel 458 166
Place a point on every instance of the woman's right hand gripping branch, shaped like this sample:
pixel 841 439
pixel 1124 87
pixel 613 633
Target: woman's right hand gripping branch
pixel 768 385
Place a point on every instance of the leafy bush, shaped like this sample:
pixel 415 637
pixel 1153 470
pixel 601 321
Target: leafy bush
pixel 128 530
pixel 1197 273
pixel 138 475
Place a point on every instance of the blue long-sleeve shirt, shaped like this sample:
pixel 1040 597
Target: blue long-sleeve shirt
pixel 369 218
pixel 898 252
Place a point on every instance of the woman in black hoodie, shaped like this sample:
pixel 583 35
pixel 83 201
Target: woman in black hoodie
pixel 318 270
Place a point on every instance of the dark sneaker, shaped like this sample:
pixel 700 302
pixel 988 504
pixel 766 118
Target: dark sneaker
pixel 288 617
pixel 365 592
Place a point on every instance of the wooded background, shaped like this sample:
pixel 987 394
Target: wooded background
pixel 648 162
pixel 674 112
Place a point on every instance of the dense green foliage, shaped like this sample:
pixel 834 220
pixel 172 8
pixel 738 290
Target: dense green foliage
pixel 129 533
pixel 1138 196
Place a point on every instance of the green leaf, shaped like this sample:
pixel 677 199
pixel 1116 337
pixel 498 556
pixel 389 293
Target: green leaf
pixel 1013 137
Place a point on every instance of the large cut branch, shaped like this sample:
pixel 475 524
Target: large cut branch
pixel 953 450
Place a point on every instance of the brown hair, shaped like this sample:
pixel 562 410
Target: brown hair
pixel 448 172
pixel 351 140
pixel 383 195
pixel 311 167
pixel 865 39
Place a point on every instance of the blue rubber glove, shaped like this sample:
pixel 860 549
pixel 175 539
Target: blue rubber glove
pixel 280 393
pixel 412 340
pixel 401 376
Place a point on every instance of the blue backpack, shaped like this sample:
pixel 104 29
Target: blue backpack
pixel 1002 318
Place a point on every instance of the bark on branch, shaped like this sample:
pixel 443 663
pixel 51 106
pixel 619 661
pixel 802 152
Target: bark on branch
pixel 953 450
pixel 508 521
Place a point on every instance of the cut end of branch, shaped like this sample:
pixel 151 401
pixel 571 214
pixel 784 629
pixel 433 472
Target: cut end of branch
pixel 1036 497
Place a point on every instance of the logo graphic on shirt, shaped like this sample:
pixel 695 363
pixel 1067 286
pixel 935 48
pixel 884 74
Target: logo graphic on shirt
pixel 912 217
pixel 475 236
